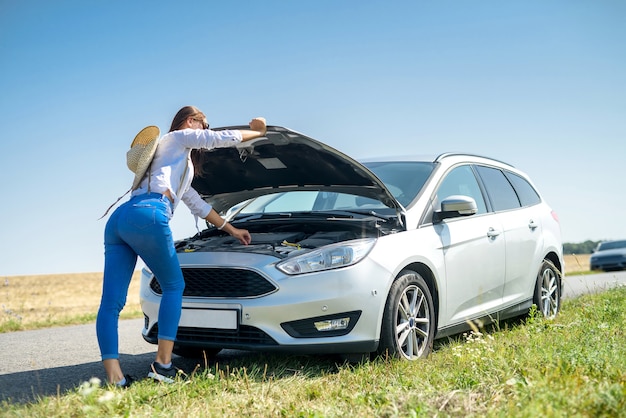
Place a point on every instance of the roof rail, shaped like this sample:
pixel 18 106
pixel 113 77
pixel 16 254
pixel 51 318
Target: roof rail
pixel 452 154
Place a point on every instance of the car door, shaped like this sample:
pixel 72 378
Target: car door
pixel 473 249
pixel 517 210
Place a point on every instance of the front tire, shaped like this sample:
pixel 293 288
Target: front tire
pixel 409 323
pixel 548 290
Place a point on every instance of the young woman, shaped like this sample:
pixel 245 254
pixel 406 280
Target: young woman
pixel 140 227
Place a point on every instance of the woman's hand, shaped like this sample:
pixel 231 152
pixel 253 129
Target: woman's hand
pixel 241 234
pixel 258 124
pixel 258 128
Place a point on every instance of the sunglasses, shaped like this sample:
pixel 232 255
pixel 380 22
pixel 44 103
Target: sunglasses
pixel 205 125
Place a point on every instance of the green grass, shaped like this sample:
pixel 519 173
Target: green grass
pixel 574 365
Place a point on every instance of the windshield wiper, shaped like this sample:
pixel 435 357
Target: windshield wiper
pixel 254 216
pixel 336 214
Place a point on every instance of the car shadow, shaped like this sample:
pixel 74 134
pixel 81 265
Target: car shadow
pixel 33 385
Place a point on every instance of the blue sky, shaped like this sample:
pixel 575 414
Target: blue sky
pixel 540 84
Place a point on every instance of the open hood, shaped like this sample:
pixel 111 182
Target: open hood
pixel 283 160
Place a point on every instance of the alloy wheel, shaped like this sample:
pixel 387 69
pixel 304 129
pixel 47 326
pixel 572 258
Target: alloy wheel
pixel 412 322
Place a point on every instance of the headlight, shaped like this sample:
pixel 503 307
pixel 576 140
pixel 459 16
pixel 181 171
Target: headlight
pixel 329 257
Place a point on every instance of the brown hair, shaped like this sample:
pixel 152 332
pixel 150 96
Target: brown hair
pixel 182 115
pixel 198 158
pixel 197 155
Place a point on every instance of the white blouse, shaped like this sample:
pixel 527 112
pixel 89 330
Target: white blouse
pixel 172 169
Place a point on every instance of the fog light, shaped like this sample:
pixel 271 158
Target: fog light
pixel 332 324
pixel 335 325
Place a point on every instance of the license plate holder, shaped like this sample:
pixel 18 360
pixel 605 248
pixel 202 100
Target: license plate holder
pixel 227 319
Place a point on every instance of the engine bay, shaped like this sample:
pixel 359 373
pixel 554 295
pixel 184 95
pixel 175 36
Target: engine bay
pixel 283 239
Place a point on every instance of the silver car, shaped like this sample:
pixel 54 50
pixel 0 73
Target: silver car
pixel 358 258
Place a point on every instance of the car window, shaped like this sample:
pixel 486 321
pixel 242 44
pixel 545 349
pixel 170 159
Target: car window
pixel 306 201
pixel 611 245
pixel 461 181
pixel 348 201
pixel 501 193
pixel 291 202
pixel 404 179
pixel 528 196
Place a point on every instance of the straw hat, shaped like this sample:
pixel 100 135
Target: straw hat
pixel 139 157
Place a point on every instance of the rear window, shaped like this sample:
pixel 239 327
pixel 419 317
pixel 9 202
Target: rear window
pixel 501 193
pixel 528 196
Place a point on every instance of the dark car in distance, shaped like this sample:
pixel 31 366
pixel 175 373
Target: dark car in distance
pixel 609 256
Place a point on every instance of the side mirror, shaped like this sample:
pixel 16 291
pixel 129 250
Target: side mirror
pixel 455 206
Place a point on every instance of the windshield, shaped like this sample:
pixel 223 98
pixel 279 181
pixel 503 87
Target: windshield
pixel 308 201
pixel 403 179
pixel 611 245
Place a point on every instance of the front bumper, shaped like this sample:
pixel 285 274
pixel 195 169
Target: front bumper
pixel 608 263
pixel 286 316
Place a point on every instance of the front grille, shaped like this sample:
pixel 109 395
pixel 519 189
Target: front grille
pixel 245 336
pixel 221 283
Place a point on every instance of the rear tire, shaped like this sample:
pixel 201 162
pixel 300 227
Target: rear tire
pixel 548 290
pixel 409 322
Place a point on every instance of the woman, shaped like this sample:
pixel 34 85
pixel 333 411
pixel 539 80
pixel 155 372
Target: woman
pixel 140 227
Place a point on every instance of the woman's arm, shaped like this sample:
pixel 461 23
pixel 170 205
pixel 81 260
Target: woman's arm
pixel 199 207
pixel 241 234
pixel 258 128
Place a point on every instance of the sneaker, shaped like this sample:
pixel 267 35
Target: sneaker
pixel 129 381
pixel 162 374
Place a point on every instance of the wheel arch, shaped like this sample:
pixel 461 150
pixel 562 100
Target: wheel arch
pixel 429 278
pixel 554 259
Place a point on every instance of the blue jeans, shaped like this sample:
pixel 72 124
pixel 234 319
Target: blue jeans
pixel 139 227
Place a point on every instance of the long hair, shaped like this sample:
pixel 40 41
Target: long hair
pixel 182 115
pixel 197 155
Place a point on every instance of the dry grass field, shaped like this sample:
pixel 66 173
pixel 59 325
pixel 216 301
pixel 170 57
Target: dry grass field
pixel 576 263
pixel 29 302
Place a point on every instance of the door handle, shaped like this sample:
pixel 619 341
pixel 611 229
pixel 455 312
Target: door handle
pixel 492 233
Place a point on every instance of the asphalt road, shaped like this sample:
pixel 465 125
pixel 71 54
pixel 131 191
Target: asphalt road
pixel 51 361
